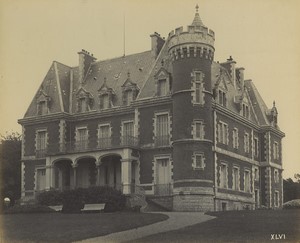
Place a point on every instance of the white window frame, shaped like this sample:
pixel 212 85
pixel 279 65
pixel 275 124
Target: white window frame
pixel 246 142
pixel 222 132
pixel 201 126
pixel 256 173
pixel 194 159
pixel 82 144
pixel 276 150
pixel 276 199
pixel 157 114
pixel 276 176
pixel 222 99
pixel 224 182
pixel 236 183
pixel 199 100
pixel 256 146
pixel 235 138
pixel 248 189
pixel 38 147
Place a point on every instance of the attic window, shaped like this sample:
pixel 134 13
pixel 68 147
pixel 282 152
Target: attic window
pixel 128 97
pixel 222 98
pixel 43 103
pixel 105 96
pixel 245 111
pixel 162 82
pixel 162 87
pixel 82 105
pixel 84 100
pixel 42 108
pixel 104 101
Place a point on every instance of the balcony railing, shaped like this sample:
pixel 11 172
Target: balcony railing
pixel 162 141
pixel 92 145
pixel 40 153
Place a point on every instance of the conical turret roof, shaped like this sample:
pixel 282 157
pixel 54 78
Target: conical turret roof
pixel 197 20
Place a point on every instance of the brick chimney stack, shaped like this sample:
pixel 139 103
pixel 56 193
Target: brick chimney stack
pixel 157 43
pixel 85 61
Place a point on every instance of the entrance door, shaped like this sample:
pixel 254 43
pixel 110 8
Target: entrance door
pixel 163 177
pixel 41 179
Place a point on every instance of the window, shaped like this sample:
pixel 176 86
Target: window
pixel 41 143
pixel 246 143
pixel 276 176
pixel 104 136
pixel 104 101
pixel 276 150
pixel 276 199
pixel 235 138
pixel 256 147
pixel 222 98
pixel 247 181
pixel 162 87
pixel 82 105
pixel 198 161
pixel 256 174
pixel 82 138
pixel 223 176
pixel 198 130
pixel 235 179
pixel 198 87
pixel 162 130
pixel 128 133
pixel 128 97
pixel 222 133
pixel 42 108
pixel 245 111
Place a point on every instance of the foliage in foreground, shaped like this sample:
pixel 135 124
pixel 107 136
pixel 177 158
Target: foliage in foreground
pixel 293 204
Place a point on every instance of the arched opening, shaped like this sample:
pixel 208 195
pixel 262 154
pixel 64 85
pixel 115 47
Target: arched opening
pixel 63 174
pixel 110 171
pixel 86 172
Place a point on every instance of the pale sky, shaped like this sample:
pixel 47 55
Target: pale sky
pixel 263 36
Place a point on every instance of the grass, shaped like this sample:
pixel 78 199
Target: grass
pixel 57 227
pixel 237 226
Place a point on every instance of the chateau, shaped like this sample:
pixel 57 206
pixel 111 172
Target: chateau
pixel 189 133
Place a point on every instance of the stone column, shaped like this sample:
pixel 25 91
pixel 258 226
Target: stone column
pixel 98 164
pixel 74 166
pixel 48 174
pixel 126 175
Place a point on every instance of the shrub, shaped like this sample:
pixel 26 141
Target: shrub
pixel 50 198
pixel 293 204
pixel 73 201
pixel 30 208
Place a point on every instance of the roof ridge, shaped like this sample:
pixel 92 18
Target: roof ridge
pixel 62 64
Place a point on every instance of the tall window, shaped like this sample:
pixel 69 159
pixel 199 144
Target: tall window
pixel 104 136
pixel 82 105
pixel 223 176
pixel 222 98
pixel 198 86
pixel 276 176
pixel 256 174
pixel 255 147
pixel 222 133
pixel 246 143
pixel 128 133
pixel 235 138
pixel 82 138
pixel 198 130
pixel 42 108
pixel 162 87
pixel 162 130
pixel 104 101
pixel 276 150
pixel 276 199
pixel 41 143
pixel 247 181
pixel 235 179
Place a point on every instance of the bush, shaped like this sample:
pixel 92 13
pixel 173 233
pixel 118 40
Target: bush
pixel 293 204
pixel 30 208
pixel 73 201
pixel 50 198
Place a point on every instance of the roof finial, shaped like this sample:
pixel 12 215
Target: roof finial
pixel 197 8
pixel 197 20
pixel 274 103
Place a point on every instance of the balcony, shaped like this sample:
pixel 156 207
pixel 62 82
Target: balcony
pixel 161 141
pixel 92 145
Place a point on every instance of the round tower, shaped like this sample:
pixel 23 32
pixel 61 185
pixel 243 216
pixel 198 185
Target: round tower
pixel 192 53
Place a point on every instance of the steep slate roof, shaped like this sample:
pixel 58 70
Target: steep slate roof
pixel 115 71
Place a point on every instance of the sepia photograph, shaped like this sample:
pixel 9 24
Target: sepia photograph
pixel 149 121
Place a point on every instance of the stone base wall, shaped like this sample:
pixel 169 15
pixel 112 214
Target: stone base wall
pixel 225 205
pixel 193 203
pixel 163 201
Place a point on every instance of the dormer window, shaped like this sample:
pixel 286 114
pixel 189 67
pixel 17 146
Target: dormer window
pixel 106 95
pixel 245 111
pixel 129 90
pixel 43 103
pixel 162 82
pixel 128 97
pixel 222 98
pixel 84 100
pixel 162 87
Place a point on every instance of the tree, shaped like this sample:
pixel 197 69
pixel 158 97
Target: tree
pixel 10 166
pixel 291 189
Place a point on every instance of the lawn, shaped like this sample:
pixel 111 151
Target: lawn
pixel 57 227
pixel 238 226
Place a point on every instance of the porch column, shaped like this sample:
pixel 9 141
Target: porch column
pixel 74 166
pixel 98 164
pixel 126 175
pixel 48 174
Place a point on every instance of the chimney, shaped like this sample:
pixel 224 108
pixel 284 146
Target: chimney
pixel 240 77
pixel 156 43
pixel 85 61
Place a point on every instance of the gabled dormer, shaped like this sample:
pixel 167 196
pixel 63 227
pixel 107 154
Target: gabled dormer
pixel 221 89
pixel 129 91
pixel 106 96
pixel 43 103
pixel 243 104
pixel 162 82
pixel 84 100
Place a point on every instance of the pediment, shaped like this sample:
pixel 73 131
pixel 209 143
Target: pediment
pixel 162 74
pixel 42 96
pixel 81 93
